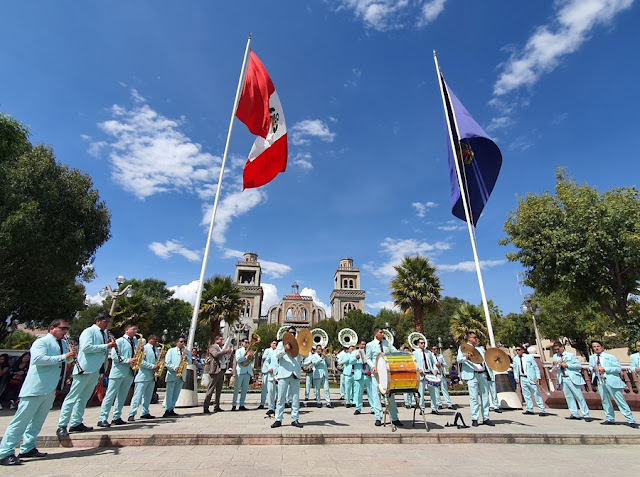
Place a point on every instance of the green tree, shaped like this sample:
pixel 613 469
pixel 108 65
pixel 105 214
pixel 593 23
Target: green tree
pixel 360 322
pixel 469 318
pixel 416 287
pixel 331 327
pixel 513 329
pixel 267 333
pixel 580 242
pixel 18 340
pixel 438 325
pixel 400 323
pixel 220 300
pixel 52 222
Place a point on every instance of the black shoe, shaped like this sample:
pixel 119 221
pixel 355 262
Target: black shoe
pixel 407 406
pixel 356 412
pixel 301 404
pixel 573 418
pixel 341 398
pixel 118 422
pixel 100 424
pixel 498 410
pixel 261 406
pixel 206 411
pixel 329 406
pixel 172 413
pixel 440 406
pixel 33 453
pixel 397 423
pixel 474 423
pixel 62 432
pixel 233 408
pixel 242 408
pixel 10 460
pixel 378 422
pixel 131 419
pixel 80 428
pixel 276 424
pixel 436 412
pixel 451 408
pixel 147 416
pixel 319 404
pixel 588 419
pixel 297 424
pixel 528 413
pixel 286 406
pixel 487 422
pixel 631 424
pixel 543 414
pixel 218 409
pixel 271 412
pixel 166 414
pixel 608 423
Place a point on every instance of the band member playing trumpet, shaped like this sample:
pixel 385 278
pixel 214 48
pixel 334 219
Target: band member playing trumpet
pixel 145 380
pixel 49 358
pixel 570 380
pixel 441 364
pixel 347 361
pixel 527 374
pixel 380 345
pixel 216 367
pixel 174 359
pixel 320 374
pixel 606 368
pixel 475 375
pixel 243 374
pixel 93 349
pixel 426 365
pixel 120 377
pixel 288 377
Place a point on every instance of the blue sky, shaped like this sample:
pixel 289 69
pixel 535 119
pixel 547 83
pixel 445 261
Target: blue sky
pixel 139 95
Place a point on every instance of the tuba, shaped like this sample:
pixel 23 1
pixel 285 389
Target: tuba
pixel 320 337
pixel 255 339
pixel 160 361
pixel 139 354
pixel 347 337
pixel 183 363
pixel 282 331
pixel 414 338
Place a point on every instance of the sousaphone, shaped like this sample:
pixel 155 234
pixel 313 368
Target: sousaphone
pixel 289 339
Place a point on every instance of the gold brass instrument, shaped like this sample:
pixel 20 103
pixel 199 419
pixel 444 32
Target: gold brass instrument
pixel 138 356
pixel 183 363
pixel 305 341
pixel 497 360
pixel 289 339
pixel 348 337
pixel 414 338
pixel 320 337
pixel 161 362
pixel 255 339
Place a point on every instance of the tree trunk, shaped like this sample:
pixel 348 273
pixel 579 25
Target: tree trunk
pixel 417 317
pixel 215 330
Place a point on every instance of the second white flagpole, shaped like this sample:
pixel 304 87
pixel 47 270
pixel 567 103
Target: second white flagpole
pixel 465 205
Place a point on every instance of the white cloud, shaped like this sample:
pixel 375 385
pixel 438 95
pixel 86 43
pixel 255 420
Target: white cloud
pixel 356 74
pixel 270 297
pixel 421 208
pixel 572 25
pixel 303 159
pixel 470 266
pixel 186 292
pixel 385 15
pixel 315 128
pixel 379 305
pixel 452 225
pixel 172 247
pixel 93 299
pixel 313 294
pixel 397 249
pixel 150 154
pixel 270 269
pixel 430 11
pixel 498 123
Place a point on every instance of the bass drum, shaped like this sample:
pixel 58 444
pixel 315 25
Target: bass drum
pixel 397 372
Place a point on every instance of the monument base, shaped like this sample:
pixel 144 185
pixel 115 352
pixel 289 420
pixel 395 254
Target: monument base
pixel 507 396
pixel 189 394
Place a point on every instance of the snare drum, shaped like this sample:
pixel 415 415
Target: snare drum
pixel 397 372
pixel 431 379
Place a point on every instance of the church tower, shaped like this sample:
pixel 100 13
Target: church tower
pixel 248 275
pixel 346 295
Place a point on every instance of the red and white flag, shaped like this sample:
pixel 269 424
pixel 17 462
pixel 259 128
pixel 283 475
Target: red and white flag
pixel 260 109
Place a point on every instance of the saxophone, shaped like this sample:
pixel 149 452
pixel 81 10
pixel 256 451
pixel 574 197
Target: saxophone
pixel 139 354
pixel 255 339
pixel 161 362
pixel 183 364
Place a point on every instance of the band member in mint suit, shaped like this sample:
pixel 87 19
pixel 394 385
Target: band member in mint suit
pixel 348 360
pixel 635 361
pixel 145 380
pixel 527 374
pixel 362 378
pixel 288 377
pixel 266 354
pixel 243 375
pixel 441 364
pixel 320 374
pixel 49 358
pixel 174 383
pixel 93 349
pixel 380 345
pixel 426 365
pixel 570 380
pixel 610 385
pixel 120 377
pixel 475 375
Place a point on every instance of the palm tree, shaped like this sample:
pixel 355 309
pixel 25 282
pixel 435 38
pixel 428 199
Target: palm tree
pixel 468 318
pixel 220 300
pixel 416 287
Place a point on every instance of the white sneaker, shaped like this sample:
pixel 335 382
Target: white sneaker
pixel 12 404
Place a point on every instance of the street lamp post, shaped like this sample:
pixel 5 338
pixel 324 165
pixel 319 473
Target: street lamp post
pixel 528 306
pixel 117 293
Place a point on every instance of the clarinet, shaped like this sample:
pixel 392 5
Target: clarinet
pixel 112 338
pixel 75 358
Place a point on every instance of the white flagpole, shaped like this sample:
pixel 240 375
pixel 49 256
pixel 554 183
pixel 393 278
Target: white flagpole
pixel 196 306
pixel 465 205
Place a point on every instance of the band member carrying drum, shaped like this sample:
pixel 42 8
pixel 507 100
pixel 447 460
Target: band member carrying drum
pixel 374 348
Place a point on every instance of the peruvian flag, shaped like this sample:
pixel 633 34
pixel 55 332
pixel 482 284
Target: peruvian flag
pixel 260 109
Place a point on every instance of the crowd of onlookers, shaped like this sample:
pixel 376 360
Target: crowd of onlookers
pixel 12 374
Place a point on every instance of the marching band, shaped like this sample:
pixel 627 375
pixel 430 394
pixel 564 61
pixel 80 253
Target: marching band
pixel 374 366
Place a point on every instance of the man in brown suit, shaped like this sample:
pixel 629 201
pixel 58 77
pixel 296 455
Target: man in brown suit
pixel 216 367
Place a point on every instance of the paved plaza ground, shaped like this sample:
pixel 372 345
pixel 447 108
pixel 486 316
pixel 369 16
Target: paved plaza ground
pixel 335 442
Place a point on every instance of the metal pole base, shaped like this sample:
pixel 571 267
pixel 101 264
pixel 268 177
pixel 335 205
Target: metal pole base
pixel 189 393
pixel 507 396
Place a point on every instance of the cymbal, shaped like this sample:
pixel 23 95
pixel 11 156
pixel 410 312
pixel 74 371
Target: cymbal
pixel 288 338
pixel 476 357
pixel 497 360
pixel 305 341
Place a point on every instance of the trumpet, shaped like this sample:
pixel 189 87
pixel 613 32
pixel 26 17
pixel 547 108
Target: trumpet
pixel 255 339
pixel 138 357
pixel 75 358
pixel 161 362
